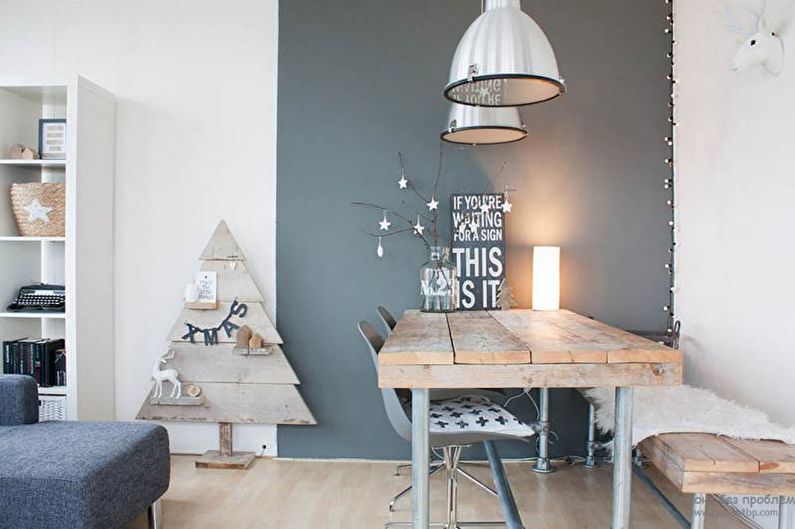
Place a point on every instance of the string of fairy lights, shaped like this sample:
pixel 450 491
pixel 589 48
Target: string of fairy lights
pixel 668 183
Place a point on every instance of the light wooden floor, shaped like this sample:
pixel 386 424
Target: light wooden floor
pixel 354 495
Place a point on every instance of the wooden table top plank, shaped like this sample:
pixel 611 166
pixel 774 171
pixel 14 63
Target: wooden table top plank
pixel 586 330
pixel 558 337
pixel 621 346
pixel 418 338
pixel 631 355
pixel 549 343
pixel 592 330
pixel 700 452
pixel 529 375
pixel 478 338
pixel 773 456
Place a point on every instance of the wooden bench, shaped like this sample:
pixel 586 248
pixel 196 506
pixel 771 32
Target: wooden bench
pixel 702 464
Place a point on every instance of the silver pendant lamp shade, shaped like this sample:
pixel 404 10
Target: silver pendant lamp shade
pixel 504 60
pixel 483 125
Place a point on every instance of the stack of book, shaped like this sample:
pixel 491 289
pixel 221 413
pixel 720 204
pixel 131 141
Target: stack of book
pixel 43 359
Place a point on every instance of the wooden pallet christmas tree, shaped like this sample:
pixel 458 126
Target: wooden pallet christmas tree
pixel 238 384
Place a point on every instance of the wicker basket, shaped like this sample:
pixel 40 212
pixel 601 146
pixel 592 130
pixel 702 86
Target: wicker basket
pixel 52 408
pixel 39 208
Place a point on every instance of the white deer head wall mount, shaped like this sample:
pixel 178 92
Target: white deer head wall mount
pixel 762 44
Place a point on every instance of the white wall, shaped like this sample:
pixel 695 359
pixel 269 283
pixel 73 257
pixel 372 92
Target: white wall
pixel 735 201
pixel 196 142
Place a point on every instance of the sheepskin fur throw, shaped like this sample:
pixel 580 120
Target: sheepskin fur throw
pixel 687 409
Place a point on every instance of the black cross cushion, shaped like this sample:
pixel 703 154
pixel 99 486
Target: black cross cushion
pixel 475 414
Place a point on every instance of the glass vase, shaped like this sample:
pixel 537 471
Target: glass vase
pixel 438 282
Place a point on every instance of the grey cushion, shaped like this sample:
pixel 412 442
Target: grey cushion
pixel 80 475
pixel 19 400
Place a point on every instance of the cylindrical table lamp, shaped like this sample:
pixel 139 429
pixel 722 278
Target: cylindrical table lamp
pixel 546 278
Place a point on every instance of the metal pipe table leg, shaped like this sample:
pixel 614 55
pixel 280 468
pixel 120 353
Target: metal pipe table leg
pixel 420 458
pixel 508 504
pixel 590 458
pixel 785 512
pixel 543 465
pixel 622 459
pixel 699 511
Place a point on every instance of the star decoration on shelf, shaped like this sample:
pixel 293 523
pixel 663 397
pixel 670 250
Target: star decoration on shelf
pixel 485 208
pixel 403 182
pixel 384 224
pixel 433 204
pixel 418 228
pixel 37 211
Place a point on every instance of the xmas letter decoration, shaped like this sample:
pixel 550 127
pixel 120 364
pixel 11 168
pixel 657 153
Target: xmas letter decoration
pixel 211 334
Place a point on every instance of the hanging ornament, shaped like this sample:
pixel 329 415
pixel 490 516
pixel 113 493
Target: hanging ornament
pixel 506 205
pixel 380 250
pixel 384 224
pixel 433 204
pixel 418 228
pixel 403 182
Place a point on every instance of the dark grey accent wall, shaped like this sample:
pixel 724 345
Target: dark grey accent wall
pixel 360 80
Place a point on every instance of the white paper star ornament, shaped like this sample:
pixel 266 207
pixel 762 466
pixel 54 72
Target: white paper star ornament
pixel 418 228
pixel 384 224
pixel 37 211
pixel 403 182
pixel 507 207
pixel 433 204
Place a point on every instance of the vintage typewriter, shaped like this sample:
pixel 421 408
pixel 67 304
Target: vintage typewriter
pixel 40 298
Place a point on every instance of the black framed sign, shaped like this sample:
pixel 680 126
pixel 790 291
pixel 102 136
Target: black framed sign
pixel 478 247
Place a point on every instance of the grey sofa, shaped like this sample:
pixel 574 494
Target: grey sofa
pixel 75 475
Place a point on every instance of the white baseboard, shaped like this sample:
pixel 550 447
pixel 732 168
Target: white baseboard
pixel 197 438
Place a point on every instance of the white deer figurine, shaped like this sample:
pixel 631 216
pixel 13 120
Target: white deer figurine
pixel 172 375
pixel 762 45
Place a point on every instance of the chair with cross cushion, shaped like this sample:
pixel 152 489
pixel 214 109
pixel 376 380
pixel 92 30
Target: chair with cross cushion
pixel 454 424
pixel 494 395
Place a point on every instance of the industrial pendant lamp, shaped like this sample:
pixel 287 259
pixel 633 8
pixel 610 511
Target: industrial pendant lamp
pixel 483 126
pixel 504 60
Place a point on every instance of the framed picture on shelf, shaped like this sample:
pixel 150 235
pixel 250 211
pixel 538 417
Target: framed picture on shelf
pixel 52 139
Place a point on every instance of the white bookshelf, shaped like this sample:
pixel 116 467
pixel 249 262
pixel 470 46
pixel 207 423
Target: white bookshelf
pixel 34 164
pixel 19 238
pixel 82 260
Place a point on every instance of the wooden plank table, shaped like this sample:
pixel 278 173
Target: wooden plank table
pixel 521 349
